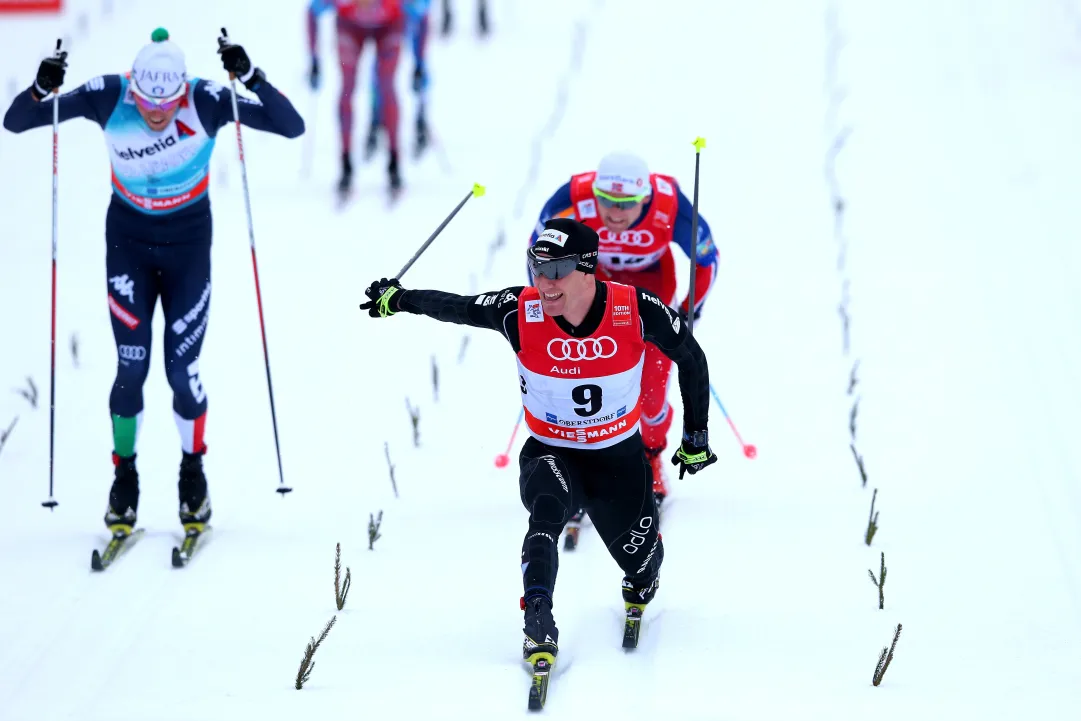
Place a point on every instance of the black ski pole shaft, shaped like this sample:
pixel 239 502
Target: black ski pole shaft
pixel 476 191
pixel 51 503
pixel 699 143
pixel 282 488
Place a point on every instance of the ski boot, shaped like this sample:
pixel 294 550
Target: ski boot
pixel 394 175
pixel 574 526
pixel 635 598
pixel 422 134
pixel 539 648
pixel 372 141
pixel 194 501
pixel 120 516
pixel 660 477
pixel 346 183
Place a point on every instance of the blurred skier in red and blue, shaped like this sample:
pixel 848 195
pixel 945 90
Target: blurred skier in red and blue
pixel 638 216
pixel 416 13
pixel 382 21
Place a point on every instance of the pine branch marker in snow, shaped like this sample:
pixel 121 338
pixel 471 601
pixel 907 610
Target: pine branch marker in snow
pixel 461 351
pixel 30 393
pixel 844 325
pixel 6 433
pixel 885 658
pixel 307 665
pixel 852 379
pixel 852 418
pixel 880 581
pixel 373 529
pixel 393 483
pixel 341 590
pixel 872 520
pixel 435 380
pixel 859 464
pixel 414 417
pixel 75 350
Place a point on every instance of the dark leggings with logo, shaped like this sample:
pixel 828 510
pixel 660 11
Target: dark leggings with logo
pixel 151 257
pixel 615 487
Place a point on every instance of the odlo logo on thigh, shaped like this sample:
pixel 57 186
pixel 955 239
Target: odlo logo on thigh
pixel 638 537
pixel 194 383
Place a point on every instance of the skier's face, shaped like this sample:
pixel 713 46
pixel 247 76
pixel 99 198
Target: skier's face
pixel 619 219
pixel 557 295
pixel 158 119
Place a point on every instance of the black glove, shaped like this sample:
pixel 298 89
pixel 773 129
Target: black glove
pixel 235 60
pixel 313 76
pixel 694 453
pixel 384 296
pixel 50 74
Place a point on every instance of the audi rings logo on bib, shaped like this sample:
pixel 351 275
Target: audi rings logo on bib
pixel 585 349
pixel 131 352
pixel 635 238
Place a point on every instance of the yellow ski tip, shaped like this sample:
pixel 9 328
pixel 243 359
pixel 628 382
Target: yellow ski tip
pixel 699 143
pixel 478 190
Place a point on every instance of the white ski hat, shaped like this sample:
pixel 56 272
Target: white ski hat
pixel 623 174
pixel 159 72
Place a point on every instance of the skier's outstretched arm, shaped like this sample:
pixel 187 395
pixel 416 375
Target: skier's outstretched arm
pixel 495 310
pixel 663 327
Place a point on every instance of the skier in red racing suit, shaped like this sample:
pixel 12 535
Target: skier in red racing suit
pixel 638 216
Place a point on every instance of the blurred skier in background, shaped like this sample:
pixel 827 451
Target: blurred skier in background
pixel 160 128
pixel 638 216
pixel 580 344
pixel 383 22
pixel 416 13
pixel 482 17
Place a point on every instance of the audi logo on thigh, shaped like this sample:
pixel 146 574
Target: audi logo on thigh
pixel 132 352
pixel 637 238
pixel 574 349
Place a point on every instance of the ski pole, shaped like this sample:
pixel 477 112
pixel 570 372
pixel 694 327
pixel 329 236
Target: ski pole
pixel 282 488
pixel 699 143
pixel 749 450
pixel 52 503
pixel 503 459
pixel 477 191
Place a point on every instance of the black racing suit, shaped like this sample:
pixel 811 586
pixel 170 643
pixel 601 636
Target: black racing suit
pixel 613 484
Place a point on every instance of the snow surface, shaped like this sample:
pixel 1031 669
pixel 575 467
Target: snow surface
pixel 960 179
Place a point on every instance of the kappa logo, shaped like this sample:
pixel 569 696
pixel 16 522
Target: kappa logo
pixel 587 209
pixel 533 312
pixel 124 286
pixel 212 88
pixel 633 238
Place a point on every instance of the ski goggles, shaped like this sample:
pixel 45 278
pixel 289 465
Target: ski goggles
pixel 552 268
pixel 151 104
pixel 619 203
